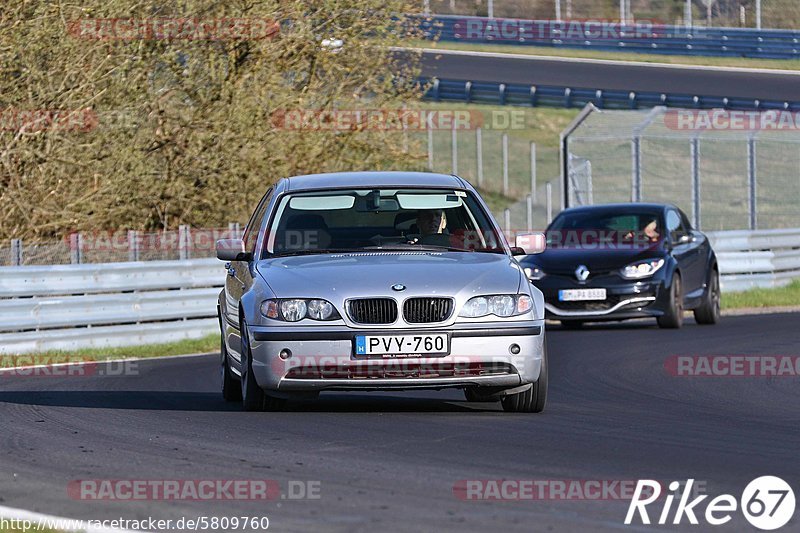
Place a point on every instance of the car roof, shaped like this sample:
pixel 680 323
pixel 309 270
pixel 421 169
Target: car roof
pixel 372 179
pixel 621 208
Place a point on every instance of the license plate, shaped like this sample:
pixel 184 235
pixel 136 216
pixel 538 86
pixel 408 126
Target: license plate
pixel 581 295
pixel 401 345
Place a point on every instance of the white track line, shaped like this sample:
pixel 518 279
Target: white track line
pixel 98 361
pixel 51 521
pixel 616 62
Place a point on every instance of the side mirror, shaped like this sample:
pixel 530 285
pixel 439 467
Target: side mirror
pixel 530 243
pixel 232 250
pixel 683 239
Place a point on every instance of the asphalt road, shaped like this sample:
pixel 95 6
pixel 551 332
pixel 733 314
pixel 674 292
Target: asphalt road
pixel 388 462
pixel 609 75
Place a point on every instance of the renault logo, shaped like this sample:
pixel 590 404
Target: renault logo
pixel 582 273
pixel 398 287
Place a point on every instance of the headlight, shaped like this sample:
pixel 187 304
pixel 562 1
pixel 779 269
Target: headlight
pixel 642 269
pixel 294 310
pixel 534 273
pixel 502 305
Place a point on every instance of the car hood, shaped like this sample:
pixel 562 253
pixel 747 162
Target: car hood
pixel 566 260
pixel 340 276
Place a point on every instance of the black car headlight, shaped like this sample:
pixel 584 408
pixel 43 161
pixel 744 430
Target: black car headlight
pixel 642 269
pixel 502 305
pixel 534 273
pixel 296 309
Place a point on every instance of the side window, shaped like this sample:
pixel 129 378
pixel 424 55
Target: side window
pixel 251 231
pixel 685 220
pixel 674 226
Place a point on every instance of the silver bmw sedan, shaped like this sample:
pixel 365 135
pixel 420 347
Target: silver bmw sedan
pixel 379 281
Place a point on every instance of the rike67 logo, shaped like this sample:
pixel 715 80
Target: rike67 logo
pixel 767 502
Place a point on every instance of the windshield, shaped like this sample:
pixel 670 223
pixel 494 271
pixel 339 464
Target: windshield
pixel 380 219
pixel 594 229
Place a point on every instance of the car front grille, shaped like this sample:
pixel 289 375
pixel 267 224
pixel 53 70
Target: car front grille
pixel 427 310
pixel 373 311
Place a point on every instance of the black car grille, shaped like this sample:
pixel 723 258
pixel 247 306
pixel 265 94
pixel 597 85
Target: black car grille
pixel 427 310
pixel 373 311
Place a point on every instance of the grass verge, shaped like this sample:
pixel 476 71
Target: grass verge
pixel 209 343
pixel 763 298
pixel 740 62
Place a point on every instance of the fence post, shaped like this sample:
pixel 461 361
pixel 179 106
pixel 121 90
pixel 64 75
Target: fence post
pixel 507 221
pixel 529 206
pixel 491 9
pixel 758 14
pixel 233 230
pixel 479 154
pixel 636 171
pixel 430 139
pixel 688 14
pixel 505 164
pixel 549 193
pixel 558 10
pixel 133 245
pixel 752 182
pixel 16 252
pixel 183 241
pixel 75 245
pixel 454 148
pixel 695 158
pixel 533 170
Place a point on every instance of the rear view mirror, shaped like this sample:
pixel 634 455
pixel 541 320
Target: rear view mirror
pixel 531 243
pixel 231 250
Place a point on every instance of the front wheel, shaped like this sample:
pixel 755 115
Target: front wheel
pixel 673 314
pixel 532 400
pixel 708 312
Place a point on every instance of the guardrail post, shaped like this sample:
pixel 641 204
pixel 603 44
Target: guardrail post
pixel 479 154
pixel 75 245
pixel 548 187
pixel 184 237
pixel 454 148
pixel 567 97
pixel 436 89
pixel 632 100
pixel 695 159
pixel 430 139
pixel 133 245
pixel 636 170
pixel 752 175
pixel 16 252
pixel 468 91
pixel 502 90
pixel 533 170
pixel 534 96
pixel 505 164
pixel 529 211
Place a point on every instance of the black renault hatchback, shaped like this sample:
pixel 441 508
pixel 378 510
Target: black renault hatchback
pixel 621 261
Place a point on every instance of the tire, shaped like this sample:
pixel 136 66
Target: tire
pixel 673 315
pixel 231 389
pixel 708 312
pixel 532 400
pixel 572 324
pixel 471 394
pixel 253 397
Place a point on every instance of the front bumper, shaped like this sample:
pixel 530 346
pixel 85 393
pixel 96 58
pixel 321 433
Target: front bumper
pixel 624 299
pixel 323 358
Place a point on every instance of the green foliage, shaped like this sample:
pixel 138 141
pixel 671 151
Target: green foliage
pixel 182 130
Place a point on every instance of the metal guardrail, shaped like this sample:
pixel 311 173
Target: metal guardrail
pixel 541 95
pixel 66 307
pixel 643 38
pixel 750 259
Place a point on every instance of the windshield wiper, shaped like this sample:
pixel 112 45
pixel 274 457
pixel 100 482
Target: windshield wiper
pixel 315 251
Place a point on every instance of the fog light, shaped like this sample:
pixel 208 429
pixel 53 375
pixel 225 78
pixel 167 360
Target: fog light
pixel 514 349
pixel 285 354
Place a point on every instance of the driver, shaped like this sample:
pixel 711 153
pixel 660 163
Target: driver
pixel 431 224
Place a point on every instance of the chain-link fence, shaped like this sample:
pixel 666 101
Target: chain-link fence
pixel 778 14
pixel 726 169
